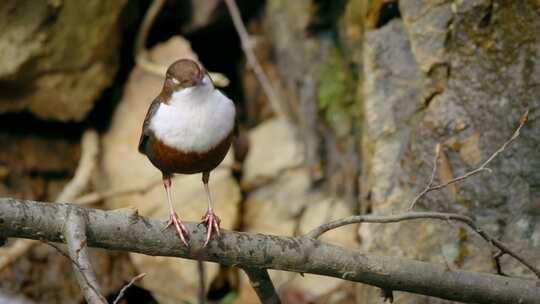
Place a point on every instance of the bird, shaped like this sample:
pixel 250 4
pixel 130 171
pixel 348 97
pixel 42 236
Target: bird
pixel 188 129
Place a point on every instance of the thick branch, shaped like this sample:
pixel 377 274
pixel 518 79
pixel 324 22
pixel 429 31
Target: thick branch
pixel 117 230
pixel 262 284
pixel 75 235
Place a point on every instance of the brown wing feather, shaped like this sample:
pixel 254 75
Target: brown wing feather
pixel 145 133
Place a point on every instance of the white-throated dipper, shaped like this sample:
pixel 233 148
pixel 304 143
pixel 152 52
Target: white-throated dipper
pixel 188 129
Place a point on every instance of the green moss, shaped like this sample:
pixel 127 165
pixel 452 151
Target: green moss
pixel 337 93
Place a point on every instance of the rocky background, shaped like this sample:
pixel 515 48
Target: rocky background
pixel 368 88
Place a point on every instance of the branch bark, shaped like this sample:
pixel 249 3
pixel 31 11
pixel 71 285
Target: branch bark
pixel 75 235
pixel 261 282
pixel 117 230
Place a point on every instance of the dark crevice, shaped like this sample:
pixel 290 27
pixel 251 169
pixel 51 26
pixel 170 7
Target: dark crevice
pixel 24 123
pixel 389 11
pixel 485 21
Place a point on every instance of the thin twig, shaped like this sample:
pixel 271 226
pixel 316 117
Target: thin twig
pixel 383 219
pixel 261 282
pixel 128 285
pixel 141 54
pixel 483 166
pixel 75 235
pixel 74 262
pixel 279 108
pixel 431 179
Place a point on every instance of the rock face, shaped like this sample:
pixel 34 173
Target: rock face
pixel 56 57
pixel 451 73
pixel 124 167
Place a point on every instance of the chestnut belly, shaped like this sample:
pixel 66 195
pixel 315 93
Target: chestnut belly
pixel 170 160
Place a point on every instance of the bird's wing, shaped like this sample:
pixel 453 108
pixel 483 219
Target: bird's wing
pixel 146 124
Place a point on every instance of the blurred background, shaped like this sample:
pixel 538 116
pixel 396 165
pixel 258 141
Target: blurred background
pixel 363 92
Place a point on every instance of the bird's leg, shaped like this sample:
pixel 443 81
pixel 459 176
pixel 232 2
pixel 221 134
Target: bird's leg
pixel 210 219
pixel 174 219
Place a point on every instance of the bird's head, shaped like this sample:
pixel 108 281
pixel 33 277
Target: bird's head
pixel 185 73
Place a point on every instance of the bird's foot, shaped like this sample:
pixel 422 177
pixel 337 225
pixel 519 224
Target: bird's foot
pixel 211 221
pixel 181 230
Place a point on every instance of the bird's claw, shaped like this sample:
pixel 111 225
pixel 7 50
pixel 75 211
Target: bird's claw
pixel 181 230
pixel 211 221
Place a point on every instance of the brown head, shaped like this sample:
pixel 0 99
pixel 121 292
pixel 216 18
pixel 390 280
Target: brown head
pixel 183 73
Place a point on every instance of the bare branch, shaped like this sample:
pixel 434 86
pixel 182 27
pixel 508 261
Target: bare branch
pixel 74 262
pixel 483 166
pixel 383 219
pixel 141 54
pixel 278 106
pixel 261 282
pixel 75 235
pixel 117 230
pixel 431 179
pixel 128 285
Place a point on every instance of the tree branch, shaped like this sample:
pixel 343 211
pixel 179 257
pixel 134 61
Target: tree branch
pixel 278 106
pixel 117 230
pixel 128 285
pixel 75 235
pixel 384 219
pixel 431 179
pixel 261 282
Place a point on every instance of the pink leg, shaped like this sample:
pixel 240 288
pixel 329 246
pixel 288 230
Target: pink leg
pixel 210 219
pixel 174 219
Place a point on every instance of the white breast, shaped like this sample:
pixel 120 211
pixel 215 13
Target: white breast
pixel 195 120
